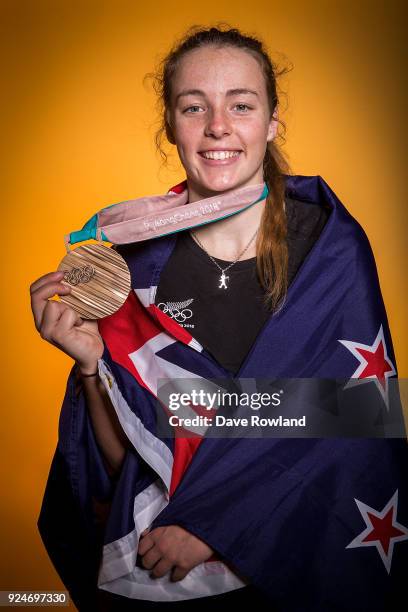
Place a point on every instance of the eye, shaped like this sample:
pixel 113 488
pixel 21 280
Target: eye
pixel 243 107
pixel 188 110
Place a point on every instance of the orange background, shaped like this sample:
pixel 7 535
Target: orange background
pixel 78 129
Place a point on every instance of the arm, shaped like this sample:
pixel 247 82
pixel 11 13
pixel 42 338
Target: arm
pixel 80 339
pixel 108 431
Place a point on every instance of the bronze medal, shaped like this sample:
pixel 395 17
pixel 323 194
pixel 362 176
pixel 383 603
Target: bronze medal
pixel 99 278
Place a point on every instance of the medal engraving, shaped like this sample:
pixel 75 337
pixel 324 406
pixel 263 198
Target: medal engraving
pixel 79 275
pixel 99 279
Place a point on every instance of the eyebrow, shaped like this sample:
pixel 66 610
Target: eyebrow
pixel 230 92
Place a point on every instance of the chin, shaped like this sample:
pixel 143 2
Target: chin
pixel 220 184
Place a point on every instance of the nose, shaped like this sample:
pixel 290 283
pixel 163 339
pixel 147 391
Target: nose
pixel 218 124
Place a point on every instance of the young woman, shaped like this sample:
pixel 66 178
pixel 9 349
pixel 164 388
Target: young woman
pixel 278 290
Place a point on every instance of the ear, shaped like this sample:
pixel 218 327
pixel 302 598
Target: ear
pixel 273 126
pixel 169 133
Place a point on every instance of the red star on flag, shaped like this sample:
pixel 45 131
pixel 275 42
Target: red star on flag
pixel 375 365
pixel 382 530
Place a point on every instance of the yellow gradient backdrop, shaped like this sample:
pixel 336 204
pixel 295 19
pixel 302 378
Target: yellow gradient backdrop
pixel 78 129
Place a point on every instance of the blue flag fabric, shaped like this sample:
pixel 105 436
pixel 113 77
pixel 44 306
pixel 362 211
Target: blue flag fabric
pixel 316 524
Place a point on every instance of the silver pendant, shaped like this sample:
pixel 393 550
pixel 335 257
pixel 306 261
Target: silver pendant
pixel 223 281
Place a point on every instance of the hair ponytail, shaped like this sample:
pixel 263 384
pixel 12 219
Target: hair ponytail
pixel 272 250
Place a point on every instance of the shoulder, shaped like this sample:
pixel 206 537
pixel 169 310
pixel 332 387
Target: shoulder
pixel 304 218
pixel 311 204
pixel 307 213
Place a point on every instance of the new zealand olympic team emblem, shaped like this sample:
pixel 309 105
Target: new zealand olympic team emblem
pixel 75 276
pixel 177 310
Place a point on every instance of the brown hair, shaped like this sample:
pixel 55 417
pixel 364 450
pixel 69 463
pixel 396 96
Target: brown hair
pixel 271 246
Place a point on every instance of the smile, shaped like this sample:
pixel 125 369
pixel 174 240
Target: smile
pixel 220 155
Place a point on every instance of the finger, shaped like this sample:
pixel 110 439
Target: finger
pixel 51 315
pixel 40 298
pixel 178 574
pixel 145 532
pixel 65 324
pixel 48 290
pixel 150 559
pixel 59 308
pixel 145 544
pixel 47 278
pixel 161 568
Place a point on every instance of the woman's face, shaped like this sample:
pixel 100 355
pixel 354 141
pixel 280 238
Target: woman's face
pixel 220 119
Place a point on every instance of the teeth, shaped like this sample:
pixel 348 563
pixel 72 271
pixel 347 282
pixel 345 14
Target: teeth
pixel 220 154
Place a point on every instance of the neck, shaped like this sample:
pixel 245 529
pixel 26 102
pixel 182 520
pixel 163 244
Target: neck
pixel 224 239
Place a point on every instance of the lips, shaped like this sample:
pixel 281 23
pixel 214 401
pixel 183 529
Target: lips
pixel 220 154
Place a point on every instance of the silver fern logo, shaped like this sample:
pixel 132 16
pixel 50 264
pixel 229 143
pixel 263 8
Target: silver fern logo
pixel 178 311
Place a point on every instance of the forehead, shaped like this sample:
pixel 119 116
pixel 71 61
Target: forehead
pixel 215 69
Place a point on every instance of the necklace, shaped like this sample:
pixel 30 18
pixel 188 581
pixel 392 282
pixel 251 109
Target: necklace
pixel 223 278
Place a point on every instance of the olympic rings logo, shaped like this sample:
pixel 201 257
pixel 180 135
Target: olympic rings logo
pixel 177 310
pixel 75 276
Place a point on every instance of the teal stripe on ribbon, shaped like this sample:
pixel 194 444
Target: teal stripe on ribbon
pixel 88 232
pixel 264 194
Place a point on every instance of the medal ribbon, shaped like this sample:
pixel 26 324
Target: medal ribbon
pixel 154 216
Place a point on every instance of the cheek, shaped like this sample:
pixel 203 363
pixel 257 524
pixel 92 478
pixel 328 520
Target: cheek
pixel 255 145
pixel 254 132
pixel 186 140
pixel 185 151
pixel 187 130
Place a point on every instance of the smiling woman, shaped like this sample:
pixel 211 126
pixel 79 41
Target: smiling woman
pixel 224 128
pixel 281 286
pixel 221 131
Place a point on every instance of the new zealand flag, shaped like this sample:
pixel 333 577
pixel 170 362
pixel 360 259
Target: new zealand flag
pixel 317 524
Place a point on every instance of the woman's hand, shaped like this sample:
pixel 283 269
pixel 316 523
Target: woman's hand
pixel 172 548
pixel 62 326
